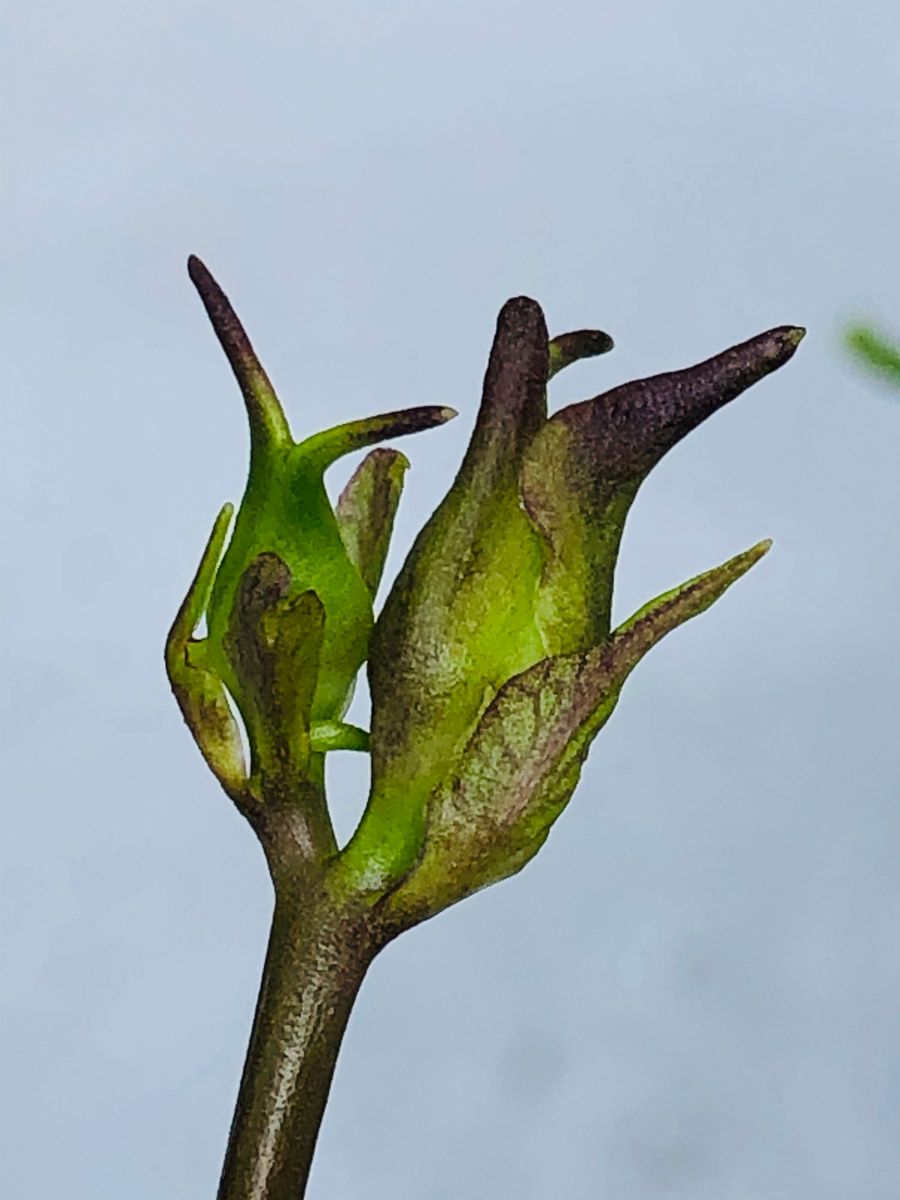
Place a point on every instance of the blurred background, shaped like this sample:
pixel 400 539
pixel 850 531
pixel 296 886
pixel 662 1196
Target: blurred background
pixel 692 993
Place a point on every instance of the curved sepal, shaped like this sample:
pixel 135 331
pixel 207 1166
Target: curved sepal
pixel 567 348
pixel 318 452
pixel 338 735
pixel 366 509
pixel 582 471
pixel 268 424
pixel 523 761
pixel 199 691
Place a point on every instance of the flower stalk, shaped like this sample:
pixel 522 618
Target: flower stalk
pixel 316 960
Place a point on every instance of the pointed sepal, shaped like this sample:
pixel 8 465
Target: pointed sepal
pixel 582 471
pixel 318 452
pixel 338 735
pixel 198 689
pixel 522 763
pixel 366 509
pixel 567 348
pixel 268 424
pixel 459 619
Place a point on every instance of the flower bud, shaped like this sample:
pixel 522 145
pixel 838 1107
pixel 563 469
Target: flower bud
pixel 505 591
pixel 289 606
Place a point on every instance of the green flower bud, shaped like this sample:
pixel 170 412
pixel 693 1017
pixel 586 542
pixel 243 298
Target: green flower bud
pixel 506 590
pixel 289 606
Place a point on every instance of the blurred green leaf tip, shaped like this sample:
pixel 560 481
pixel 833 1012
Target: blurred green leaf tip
pixel 493 662
pixel 874 351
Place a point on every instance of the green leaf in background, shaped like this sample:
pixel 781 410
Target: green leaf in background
pixel 875 351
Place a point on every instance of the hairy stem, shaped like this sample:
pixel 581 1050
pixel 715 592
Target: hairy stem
pixel 315 964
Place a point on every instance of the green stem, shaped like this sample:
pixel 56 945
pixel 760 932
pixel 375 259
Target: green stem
pixel 316 961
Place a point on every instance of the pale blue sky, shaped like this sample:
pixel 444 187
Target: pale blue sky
pixel 692 994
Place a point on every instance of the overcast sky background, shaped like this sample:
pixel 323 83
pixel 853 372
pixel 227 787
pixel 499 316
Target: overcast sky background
pixel 693 993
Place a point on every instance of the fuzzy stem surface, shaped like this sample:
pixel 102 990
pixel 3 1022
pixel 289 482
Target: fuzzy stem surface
pixel 315 964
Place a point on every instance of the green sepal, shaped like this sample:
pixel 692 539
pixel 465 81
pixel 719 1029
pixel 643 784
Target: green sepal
pixel 268 424
pixel 198 689
pixel 275 640
pixel 583 469
pixel 459 620
pixel 319 451
pixel 338 735
pixel 366 509
pixel 522 763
